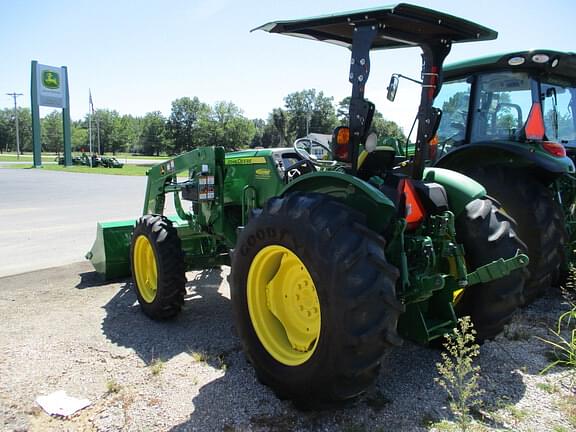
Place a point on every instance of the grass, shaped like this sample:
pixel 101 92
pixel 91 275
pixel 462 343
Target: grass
pixel 563 345
pixel 156 366
pixel 199 356
pixel 518 413
pixel 113 387
pixel 126 170
pixel 568 407
pixel 548 388
pixel 131 156
pixel 215 360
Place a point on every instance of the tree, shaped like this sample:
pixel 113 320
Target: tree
pixel 125 133
pixel 280 120
pixel 228 127
pixel 8 129
pixel 309 111
pixel 386 128
pixel 259 126
pixel 153 137
pixel 186 125
pixel 382 127
pixel 79 136
pixel 52 132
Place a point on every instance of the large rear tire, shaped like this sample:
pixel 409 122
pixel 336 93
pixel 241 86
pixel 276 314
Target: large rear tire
pixel 539 222
pixel 314 299
pixel 487 235
pixel 158 269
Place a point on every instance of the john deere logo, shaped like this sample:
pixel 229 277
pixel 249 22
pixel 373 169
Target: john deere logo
pixel 50 79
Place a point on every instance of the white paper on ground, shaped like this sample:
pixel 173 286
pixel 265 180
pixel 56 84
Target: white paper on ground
pixel 59 403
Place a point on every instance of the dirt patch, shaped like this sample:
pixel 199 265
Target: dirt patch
pixel 64 330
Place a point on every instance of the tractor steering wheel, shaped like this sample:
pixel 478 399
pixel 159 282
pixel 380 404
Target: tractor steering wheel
pixel 297 169
pixel 320 163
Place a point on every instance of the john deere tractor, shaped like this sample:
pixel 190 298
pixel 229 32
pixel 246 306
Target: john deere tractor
pixel 508 122
pixel 332 261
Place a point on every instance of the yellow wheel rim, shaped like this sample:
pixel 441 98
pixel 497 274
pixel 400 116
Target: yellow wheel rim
pixel 283 305
pixel 145 269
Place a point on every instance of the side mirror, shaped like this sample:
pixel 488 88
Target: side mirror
pixel 393 88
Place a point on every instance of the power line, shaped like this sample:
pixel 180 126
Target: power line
pixel 15 95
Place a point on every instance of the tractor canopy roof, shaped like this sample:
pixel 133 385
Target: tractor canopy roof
pixel 399 25
pixel 542 61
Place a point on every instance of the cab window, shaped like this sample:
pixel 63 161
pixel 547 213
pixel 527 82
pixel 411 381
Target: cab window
pixel 503 105
pixel 454 100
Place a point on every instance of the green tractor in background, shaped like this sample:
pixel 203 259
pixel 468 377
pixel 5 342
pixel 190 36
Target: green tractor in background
pixel 508 122
pixel 331 260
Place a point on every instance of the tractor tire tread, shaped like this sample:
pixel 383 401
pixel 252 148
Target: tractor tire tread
pixel 171 270
pixel 487 235
pixel 531 204
pixel 362 283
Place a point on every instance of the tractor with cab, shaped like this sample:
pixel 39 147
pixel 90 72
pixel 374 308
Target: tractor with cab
pixel 508 122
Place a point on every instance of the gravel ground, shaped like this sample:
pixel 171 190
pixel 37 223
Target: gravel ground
pixel 62 330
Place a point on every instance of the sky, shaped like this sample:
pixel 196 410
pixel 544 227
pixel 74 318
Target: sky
pixel 139 56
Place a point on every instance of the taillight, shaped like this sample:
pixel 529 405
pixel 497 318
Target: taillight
pixel 535 124
pixel 555 149
pixel 433 148
pixel 341 144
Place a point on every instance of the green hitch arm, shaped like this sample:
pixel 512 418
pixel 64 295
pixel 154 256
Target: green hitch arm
pixel 497 269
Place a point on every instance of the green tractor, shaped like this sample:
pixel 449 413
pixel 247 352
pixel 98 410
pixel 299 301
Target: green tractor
pixel 332 261
pixel 508 122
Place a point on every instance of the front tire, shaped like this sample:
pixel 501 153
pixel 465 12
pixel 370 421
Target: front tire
pixel 314 299
pixel 487 234
pixel 158 269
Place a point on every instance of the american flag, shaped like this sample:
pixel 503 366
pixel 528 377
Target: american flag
pixel 90 101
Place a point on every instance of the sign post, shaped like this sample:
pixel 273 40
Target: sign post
pixel 49 87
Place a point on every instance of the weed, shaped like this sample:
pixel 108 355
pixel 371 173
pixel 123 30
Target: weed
pixel 563 347
pixel 458 375
pixel 548 388
pixel 221 362
pixel 444 426
pixel 517 413
pixel 199 356
pixel 113 387
pixel 216 360
pixel 568 407
pixel 156 366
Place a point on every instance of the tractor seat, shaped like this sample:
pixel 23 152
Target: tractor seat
pixel 377 162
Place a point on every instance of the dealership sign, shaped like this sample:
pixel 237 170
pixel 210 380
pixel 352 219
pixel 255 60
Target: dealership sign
pixel 51 86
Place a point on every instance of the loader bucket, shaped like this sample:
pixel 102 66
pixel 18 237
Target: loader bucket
pixel 110 254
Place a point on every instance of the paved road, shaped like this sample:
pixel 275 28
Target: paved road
pixel 49 218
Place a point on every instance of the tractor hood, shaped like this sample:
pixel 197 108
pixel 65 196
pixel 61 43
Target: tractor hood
pixel 400 25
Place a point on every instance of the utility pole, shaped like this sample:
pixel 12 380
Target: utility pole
pixel 15 95
pixel 98 133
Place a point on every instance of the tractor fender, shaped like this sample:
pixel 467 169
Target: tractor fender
pixel 350 190
pixel 517 155
pixel 460 189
